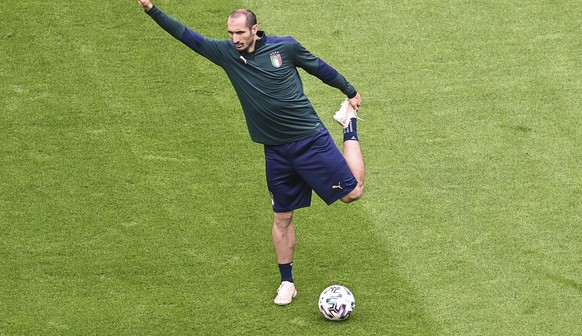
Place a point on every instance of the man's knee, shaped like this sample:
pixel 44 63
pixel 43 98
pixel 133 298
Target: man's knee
pixel 354 195
pixel 283 219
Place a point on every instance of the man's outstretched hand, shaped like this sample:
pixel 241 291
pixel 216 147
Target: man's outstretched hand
pixel 146 4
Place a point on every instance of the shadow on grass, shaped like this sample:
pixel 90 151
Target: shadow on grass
pixel 338 245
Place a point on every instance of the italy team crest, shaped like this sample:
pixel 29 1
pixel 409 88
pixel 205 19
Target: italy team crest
pixel 276 59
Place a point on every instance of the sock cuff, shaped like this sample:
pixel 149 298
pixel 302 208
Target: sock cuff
pixel 350 132
pixel 286 271
pixel 352 126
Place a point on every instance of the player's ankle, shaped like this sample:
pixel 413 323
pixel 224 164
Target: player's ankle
pixel 350 131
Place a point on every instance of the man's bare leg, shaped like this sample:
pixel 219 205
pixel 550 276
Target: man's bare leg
pixel 353 155
pixel 283 234
pixel 284 237
pixel 347 117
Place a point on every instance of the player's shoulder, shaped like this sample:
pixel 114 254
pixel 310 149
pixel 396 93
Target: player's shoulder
pixel 279 39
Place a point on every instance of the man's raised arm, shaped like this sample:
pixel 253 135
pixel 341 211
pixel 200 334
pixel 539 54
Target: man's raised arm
pixel 172 26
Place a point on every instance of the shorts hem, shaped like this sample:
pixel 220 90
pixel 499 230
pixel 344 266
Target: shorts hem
pixel 339 196
pixel 293 208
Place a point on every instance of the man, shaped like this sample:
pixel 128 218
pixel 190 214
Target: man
pixel 300 155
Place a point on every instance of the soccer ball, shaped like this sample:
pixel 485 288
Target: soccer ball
pixel 336 303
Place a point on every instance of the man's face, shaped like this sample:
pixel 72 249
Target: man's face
pixel 242 36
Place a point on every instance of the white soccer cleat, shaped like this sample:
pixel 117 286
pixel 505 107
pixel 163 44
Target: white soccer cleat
pixel 285 293
pixel 345 113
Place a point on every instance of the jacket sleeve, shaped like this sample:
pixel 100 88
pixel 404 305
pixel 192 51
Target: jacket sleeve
pixel 172 26
pixel 318 68
pixel 209 48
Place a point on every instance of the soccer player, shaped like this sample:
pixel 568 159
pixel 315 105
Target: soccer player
pixel 300 155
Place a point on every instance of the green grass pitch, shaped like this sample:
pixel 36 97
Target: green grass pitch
pixel 132 201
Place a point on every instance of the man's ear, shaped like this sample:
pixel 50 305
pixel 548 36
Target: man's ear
pixel 255 29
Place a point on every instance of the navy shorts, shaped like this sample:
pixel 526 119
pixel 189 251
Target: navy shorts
pixel 296 169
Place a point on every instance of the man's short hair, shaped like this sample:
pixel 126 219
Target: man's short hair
pixel 251 18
